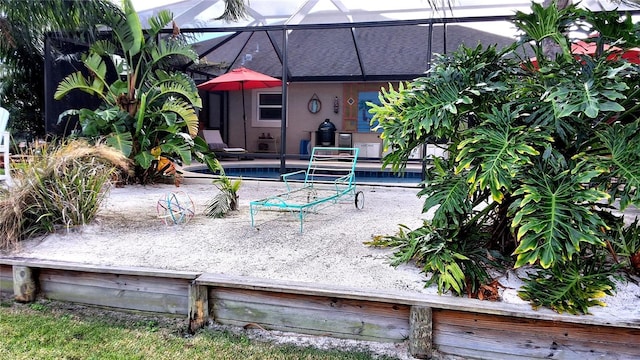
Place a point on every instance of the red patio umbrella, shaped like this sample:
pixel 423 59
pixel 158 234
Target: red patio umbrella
pixel 240 79
pixel 582 47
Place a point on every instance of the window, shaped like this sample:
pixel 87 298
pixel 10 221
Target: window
pixel 364 118
pixel 268 109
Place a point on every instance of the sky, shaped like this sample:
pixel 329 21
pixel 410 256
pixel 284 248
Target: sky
pixel 501 28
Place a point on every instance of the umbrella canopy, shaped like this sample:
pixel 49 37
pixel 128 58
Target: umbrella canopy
pixel 240 79
pixel 589 48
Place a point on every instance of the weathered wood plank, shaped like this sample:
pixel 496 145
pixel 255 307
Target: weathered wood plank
pixel 311 315
pixel 300 317
pixel 198 306
pixel 141 283
pixel 356 326
pixel 124 270
pixel 499 346
pixel 532 338
pixel 293 287
pixel 420 332
pixel 407 298
pixel 570 331
pixel 24 284
pixel 307 331
pixel 6 279
pixel 321 303
pixel 466 353
pixel 123 299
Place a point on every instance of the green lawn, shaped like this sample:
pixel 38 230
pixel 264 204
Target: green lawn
pixel 51 330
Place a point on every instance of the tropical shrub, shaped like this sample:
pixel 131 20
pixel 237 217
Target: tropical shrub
pixel 226 199
pixel 59 188
pixel 542 157
pixel 149 110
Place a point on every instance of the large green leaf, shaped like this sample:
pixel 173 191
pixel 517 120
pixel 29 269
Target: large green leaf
pixel 176 146
pixel 439 105
pixel 98 70
pixel 619 156
pixel 135 37
pixel 144 159
pixel 450 194
pixel 546 23
pixel 497 152
pixel 589 97
pixel 121 141
pixel 553 216
pixel 572 286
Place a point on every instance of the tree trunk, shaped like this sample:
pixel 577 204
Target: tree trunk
pixel 560 3
pixel 550 48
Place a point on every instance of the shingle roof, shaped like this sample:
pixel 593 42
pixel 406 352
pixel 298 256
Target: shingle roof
pixel 342 54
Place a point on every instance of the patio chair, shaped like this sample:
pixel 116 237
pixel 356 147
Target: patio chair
pixel 329 177
pixel 5 174
pixel 219 147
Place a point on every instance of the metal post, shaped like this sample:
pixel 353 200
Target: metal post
pixel 283 124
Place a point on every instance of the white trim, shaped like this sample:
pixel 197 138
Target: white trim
pixel 255 121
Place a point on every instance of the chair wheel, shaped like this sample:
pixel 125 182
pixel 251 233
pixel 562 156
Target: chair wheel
pixel 359 201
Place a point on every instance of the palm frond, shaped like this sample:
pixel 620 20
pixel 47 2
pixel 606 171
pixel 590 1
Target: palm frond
pixel 218 206
pixel 77 81
pixel 159 21
pixel 181 83
pixel 234 10
pixel 169 49
pixel 185 111
pixel 104 48
pixel 226 200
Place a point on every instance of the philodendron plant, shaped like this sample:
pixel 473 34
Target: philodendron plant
pixel 148 106
pixel 542 158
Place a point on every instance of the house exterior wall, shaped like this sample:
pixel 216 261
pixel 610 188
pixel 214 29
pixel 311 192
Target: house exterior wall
pixel 301 123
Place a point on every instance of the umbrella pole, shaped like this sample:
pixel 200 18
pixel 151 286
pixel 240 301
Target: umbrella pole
pixel 244 116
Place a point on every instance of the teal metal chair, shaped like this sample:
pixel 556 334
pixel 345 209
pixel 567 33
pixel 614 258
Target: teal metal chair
pixel 329 177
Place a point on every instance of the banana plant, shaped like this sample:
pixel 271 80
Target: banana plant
pixel 147 105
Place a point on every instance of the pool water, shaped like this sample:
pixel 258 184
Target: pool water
pixel 362 176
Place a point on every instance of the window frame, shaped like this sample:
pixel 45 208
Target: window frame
pixel 255 119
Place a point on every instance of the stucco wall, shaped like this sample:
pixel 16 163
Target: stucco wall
pixel 301 124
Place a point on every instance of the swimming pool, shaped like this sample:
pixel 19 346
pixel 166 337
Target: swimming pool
pixel 273 173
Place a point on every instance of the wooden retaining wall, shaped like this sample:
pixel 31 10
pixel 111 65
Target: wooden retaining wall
pixel 500 337
pixel 458 326
pixel 126 288
pixel 6 279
